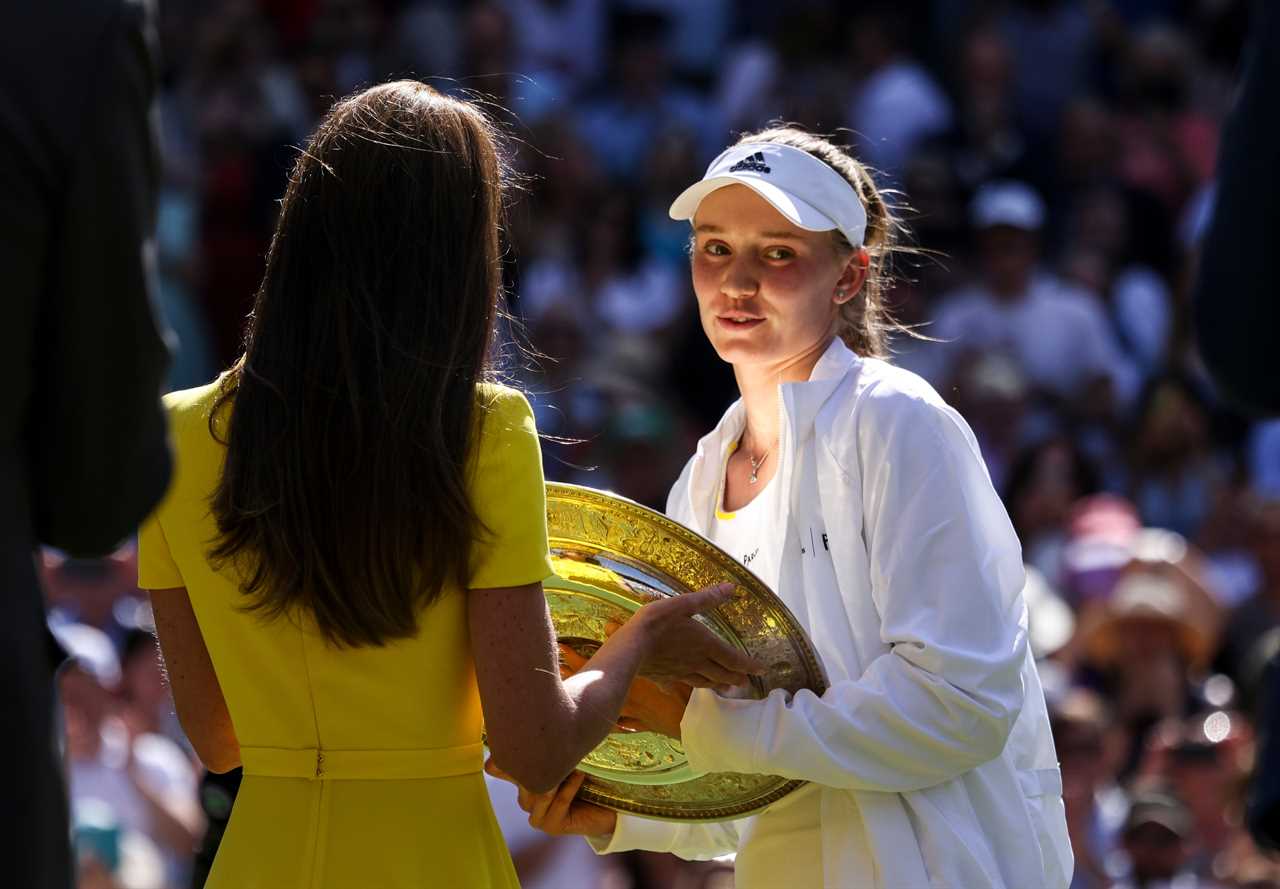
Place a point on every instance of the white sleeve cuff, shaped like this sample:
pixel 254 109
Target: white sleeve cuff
pixel 632 832
pixel 719 734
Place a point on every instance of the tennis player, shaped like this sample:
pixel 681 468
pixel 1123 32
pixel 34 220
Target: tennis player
pixel 853 490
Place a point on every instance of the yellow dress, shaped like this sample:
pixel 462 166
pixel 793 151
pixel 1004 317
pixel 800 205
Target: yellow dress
pixel 362 767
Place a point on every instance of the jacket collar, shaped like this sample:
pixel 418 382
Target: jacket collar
pixel 800 403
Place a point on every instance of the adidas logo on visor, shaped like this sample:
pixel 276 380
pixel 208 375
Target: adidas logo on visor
pixel 755 163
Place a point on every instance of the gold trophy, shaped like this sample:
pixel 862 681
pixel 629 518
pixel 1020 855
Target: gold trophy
pixel 611 556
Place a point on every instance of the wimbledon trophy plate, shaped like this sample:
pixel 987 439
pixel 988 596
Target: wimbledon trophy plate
pixel 612 555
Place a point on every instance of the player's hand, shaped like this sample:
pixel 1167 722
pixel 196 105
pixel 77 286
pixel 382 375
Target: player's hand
pixel 559 812
pixel 648 708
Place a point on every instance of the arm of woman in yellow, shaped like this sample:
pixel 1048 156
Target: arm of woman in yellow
pixel 538 726
pixel 202 709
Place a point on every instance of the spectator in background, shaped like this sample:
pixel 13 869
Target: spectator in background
pixel 146 705
pixel 345 31
pixel 1205 759
pixel 673 159
pixel 1243 655
pixel 98 592
pixel 1149 642
pixel 640 439
pixel 548 272
pixel 1091 747
pixel 895 104
pixel 985 142
pixel 696 34
pixel 82 439
pixel 143 779
pixel 1101 533
pixel 1167 147
pixel 242 123
pixel 1044 483
pixel 110 856
pixel 485 61
pixel 1173 474
pixel 621 123
pixel 991 391
pixel 1158 841
pixel 1138 304
pixel 1053 44
pixel 630 293
pixel 1095 209
pixel 561 43
pixel 1057 334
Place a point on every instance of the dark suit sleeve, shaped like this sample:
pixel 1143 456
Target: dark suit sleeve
pixel 1263 810
pixel 1237 293
pixel 99 451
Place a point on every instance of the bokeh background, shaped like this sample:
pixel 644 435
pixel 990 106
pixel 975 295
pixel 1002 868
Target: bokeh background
pixel 1056 300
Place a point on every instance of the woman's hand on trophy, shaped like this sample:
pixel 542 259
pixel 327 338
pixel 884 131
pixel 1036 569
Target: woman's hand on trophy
pixel 559 811
pixel 679 649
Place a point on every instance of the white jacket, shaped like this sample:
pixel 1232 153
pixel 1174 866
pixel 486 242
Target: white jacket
pixel 932 745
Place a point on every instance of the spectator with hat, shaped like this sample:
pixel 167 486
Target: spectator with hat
pixel 1158 840
pixel 1100 535
pixel 1205 758
pixel 1149 643
pixel 1057 333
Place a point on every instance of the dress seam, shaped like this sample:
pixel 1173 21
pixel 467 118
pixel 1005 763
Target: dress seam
pixel 322 834
pixel 319 808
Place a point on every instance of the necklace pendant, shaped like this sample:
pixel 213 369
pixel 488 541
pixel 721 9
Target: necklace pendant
pixel 751 479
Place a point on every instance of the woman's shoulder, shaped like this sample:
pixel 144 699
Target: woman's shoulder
pixel 185 400
pixel 189 409
pixel 503 409
pixel 505 422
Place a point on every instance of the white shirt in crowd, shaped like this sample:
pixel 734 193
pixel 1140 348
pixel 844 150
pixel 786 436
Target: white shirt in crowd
pixel 896 107
pixel 160 765
pixel 1058 334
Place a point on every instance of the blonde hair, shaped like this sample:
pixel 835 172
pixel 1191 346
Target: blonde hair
pixel 863 323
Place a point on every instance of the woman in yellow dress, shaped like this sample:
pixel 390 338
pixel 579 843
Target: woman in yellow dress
pixel 346 572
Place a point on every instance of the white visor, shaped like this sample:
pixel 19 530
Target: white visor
pixel 802 188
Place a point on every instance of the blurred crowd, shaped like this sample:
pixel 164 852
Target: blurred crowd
pixel 1053 161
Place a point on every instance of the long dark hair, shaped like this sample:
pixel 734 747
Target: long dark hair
pixel 353 409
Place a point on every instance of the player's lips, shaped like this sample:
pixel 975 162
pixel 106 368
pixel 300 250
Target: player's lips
pixel 738 320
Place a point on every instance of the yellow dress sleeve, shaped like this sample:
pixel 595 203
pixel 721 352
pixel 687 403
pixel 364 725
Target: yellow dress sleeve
pixel 509 497
pixel 156 568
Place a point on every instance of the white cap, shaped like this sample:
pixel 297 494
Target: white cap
pixel 1008 203
pixel 802 188
pixel 92 650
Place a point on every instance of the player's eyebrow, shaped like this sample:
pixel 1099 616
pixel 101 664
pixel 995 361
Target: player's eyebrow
pixel 708 228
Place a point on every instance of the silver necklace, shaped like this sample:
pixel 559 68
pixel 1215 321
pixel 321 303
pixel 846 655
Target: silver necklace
pixel 757 463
